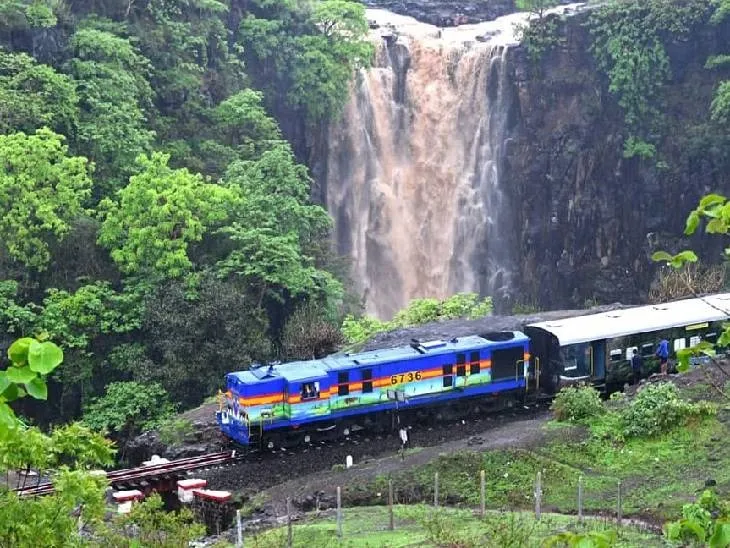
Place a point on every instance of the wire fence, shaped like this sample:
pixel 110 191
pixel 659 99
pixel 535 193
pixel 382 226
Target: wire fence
pixel 435 520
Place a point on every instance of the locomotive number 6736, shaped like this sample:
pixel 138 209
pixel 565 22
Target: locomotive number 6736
pixel 405 377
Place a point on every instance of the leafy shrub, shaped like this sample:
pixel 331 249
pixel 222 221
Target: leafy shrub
pixel 591 539
pixel 577 403
pixel 174 430
pixel 127 408
pixel 704 521
pixel 148 524
pixel 419 311
pixel 658 408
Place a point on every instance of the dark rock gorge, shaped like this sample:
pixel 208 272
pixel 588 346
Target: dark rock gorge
pixel 461 165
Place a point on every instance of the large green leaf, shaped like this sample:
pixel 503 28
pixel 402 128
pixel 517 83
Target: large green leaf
pixel 44 357
pixel 37 388
pixel 7 417
pixel 11 393
pixel 4 381
pixel 21 375
pixel 18 351
pixel 721 536
pixel 711 200
pixel 693 222
pixel 661 256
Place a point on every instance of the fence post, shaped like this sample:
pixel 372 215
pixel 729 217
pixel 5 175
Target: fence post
pixel 580 498
pixel 391 525
pixel 482 493
pixel 436 490
pixel 618 505
pixel 538 496
pixel 339 511
pixel 288 523
pixel 239 530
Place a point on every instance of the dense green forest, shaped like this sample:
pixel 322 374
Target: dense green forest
pixel 153 220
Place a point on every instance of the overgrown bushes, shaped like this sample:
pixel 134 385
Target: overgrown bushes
pixel 577 403
pixel 419 311
pixel 656 409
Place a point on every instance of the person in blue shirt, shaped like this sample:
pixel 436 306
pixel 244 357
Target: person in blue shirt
pixel 662 352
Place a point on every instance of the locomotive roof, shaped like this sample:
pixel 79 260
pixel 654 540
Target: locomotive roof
pixel 305 370
pixel 641 319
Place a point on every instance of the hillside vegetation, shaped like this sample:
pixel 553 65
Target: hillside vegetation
pixel 154 222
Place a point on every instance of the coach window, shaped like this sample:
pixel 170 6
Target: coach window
pixel 310 390
pixel 647 350
pixel 343 388
pixel 616 355
pixel 711 337
pixel 461 365
pixel 448 372
pixel 474 367
pixel 367 381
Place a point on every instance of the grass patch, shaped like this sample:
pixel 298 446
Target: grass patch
pixel 422 526
pixel 658 475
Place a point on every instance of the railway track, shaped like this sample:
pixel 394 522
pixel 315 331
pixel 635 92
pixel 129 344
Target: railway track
pixel 149 474
pixel 315 456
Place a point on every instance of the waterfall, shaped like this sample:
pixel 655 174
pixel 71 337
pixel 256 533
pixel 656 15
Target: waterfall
pixel 414 166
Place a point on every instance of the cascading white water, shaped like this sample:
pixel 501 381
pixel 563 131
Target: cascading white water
pixel 413 168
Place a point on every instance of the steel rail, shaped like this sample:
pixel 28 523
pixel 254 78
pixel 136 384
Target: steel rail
pixel 141 473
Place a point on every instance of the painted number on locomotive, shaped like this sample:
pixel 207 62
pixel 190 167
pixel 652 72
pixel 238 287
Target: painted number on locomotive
pixel 406 377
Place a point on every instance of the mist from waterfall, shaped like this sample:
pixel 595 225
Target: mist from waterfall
pixel 414 166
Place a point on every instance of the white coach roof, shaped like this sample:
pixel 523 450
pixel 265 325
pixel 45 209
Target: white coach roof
pixel 641 319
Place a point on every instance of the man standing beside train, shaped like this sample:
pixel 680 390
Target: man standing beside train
pixel 662 352
pixel 636 365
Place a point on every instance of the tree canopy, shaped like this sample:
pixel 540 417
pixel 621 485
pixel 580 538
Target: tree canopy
pixel 145 182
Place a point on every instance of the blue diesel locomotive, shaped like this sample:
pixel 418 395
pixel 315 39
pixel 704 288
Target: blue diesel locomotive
pixel 287 404
pixel 290 403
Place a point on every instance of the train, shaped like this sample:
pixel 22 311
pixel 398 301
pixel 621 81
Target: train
pixel 383 390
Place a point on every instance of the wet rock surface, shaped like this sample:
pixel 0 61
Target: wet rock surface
pixel 589 217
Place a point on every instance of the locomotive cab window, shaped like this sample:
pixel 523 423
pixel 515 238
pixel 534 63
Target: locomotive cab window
pixel 310 390
pixel 367 381
pixel 343 388
pixel 475 366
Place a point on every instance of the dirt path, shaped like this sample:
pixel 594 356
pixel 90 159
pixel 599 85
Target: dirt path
pixel 521 433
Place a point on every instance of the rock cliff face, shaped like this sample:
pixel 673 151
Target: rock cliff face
pixel 555 205
pixel 589 218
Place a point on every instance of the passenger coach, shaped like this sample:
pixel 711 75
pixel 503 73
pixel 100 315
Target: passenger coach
pixel 597 348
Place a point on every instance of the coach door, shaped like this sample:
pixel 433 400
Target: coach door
pixel 598 359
